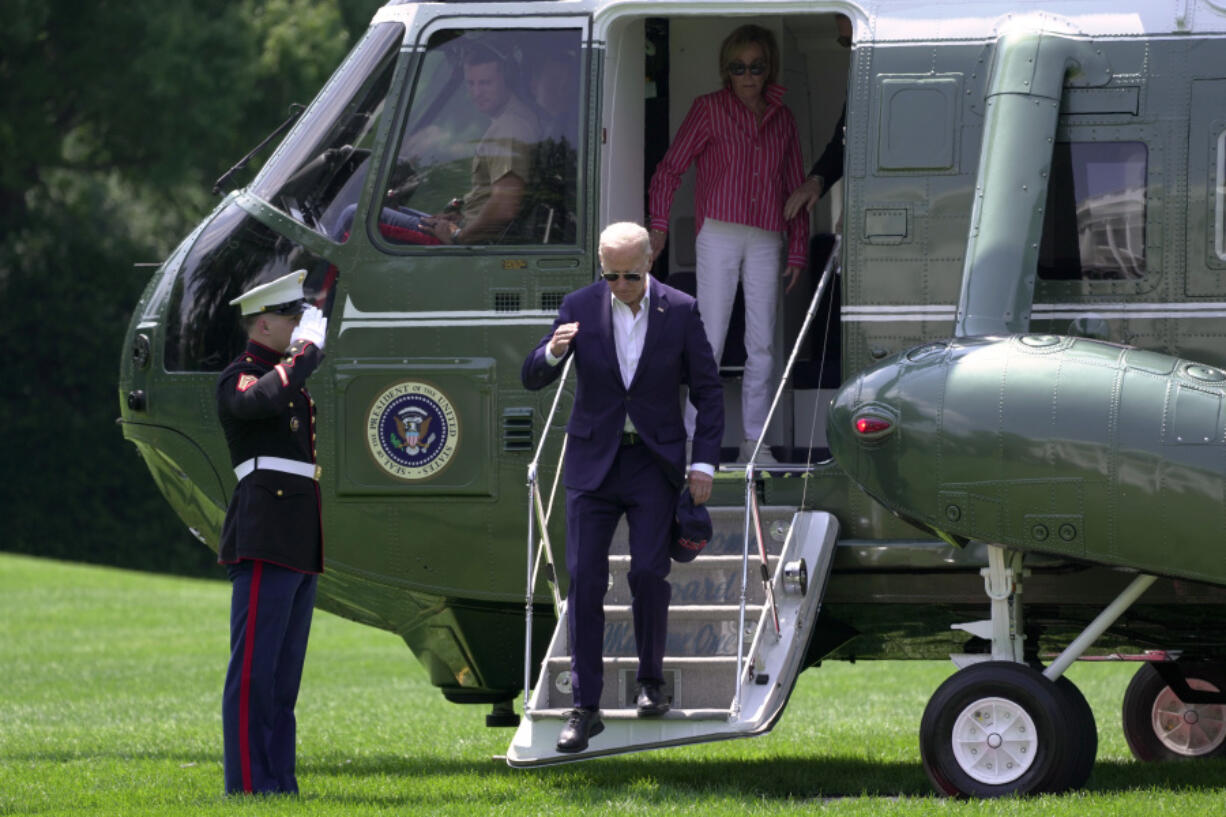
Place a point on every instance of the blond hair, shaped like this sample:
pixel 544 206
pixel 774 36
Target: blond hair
pixel 742 38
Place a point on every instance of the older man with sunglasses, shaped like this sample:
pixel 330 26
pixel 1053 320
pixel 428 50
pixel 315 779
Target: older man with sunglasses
pixel 635 341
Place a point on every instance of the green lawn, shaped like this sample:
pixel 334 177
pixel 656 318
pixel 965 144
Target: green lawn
pixel 111 706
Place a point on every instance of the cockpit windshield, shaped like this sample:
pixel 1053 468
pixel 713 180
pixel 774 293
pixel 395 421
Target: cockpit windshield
pixel 323 163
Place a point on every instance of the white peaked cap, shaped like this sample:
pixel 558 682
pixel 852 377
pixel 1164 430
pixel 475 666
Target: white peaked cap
pixel 285 290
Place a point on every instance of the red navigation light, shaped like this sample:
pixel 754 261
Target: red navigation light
pixel 869 426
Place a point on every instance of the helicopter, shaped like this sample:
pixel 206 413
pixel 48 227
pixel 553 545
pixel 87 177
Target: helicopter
pixel 1008 373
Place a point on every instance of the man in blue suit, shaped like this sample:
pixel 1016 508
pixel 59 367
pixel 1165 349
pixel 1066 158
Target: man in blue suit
pixel 635 342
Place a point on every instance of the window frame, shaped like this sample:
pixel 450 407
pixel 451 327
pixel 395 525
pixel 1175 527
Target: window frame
pixel 1047 289
pixel 416 42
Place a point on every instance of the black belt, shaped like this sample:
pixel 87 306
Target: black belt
pixel 631 438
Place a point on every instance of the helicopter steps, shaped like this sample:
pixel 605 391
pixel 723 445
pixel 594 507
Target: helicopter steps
pixel 700 663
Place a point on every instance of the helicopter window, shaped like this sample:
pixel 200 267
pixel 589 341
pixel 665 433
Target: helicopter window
pixel 1094 222
pixel 234 253
pixel 321 168
pixel 489 149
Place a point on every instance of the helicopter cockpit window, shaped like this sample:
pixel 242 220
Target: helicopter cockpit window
pixel 321 167
pixel 1094 223
pixel 234 253
pixel 488 153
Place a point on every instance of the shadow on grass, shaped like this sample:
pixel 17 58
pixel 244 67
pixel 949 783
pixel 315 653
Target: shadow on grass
pixel 423 780
pixel 591 783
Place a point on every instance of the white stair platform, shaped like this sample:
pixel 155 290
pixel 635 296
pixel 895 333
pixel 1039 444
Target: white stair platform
pixel 771 665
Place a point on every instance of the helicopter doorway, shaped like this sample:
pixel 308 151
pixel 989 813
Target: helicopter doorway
pixel 680 55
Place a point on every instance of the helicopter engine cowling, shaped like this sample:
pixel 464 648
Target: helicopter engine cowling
pixel 1064 445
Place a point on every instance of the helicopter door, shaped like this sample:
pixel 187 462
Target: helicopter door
pixel 452 265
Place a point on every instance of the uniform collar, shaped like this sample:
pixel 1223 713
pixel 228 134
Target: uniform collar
pixel 259 353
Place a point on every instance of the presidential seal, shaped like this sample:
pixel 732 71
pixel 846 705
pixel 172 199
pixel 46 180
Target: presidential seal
pixel 412 430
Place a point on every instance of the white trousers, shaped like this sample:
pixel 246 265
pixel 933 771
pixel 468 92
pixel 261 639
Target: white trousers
pixel 727 253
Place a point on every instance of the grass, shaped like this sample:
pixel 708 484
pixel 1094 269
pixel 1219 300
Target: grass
pixel 110 705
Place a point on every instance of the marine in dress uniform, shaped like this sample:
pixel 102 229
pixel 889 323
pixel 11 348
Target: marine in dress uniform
pixel 272 539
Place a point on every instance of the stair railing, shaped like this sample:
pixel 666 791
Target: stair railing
pixel 540 514
pixel 751 496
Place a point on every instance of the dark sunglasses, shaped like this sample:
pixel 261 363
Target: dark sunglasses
pixel 757 68
pixel 629 276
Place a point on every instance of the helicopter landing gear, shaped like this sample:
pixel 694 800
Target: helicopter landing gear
pixel 1160 726
pixel 1000 726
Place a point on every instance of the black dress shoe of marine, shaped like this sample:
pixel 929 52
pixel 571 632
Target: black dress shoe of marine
pixel 581 724
pixel 651 701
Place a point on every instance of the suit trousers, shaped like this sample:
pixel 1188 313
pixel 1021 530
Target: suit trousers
pixel 727 254
pixel 270 620
pixel 637 485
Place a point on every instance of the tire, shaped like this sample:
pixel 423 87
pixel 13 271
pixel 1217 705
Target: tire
pixel 998 728
pixel 1081 736
pixel 1159 726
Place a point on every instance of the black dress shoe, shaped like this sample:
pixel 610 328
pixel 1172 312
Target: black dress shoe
pixel 651 701
pixel 581 724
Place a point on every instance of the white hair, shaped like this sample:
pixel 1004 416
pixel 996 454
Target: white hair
pixel 624 235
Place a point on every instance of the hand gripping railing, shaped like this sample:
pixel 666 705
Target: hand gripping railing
pixel 541 514
pixel 751 497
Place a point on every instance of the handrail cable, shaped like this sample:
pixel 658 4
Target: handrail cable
pixel 534 501
pixel 751 505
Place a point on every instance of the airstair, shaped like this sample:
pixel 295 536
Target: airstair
pixel 738 625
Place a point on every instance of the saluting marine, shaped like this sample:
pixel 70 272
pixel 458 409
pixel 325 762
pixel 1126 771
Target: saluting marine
pixel 272 539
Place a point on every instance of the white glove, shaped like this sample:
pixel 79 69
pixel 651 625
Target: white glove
pixel 313 327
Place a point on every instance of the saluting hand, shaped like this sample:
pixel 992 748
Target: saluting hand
pixel 559 344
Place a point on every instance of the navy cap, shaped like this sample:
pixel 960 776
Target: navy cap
pixel 691 529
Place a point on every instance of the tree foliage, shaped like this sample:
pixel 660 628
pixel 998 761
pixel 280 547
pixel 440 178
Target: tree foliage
pixel 115 119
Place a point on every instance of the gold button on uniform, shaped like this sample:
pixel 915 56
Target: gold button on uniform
pixel 280 492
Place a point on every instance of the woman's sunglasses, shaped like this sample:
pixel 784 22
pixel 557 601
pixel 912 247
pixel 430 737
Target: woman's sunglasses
pixel 757 68
pixel 629 276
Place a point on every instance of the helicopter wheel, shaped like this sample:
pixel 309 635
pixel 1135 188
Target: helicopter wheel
pixel 1081 736
pixel 1000 728
pixel 1159 726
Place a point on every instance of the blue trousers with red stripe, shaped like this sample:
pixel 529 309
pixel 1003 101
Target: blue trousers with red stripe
pixel 270 620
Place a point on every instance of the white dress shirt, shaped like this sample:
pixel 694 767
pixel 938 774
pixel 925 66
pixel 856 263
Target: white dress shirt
pixel 629 333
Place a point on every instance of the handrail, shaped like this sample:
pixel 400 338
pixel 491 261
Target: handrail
pixel 533 505
pixel 751 507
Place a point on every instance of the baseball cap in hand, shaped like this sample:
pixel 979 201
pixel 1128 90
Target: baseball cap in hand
pixel 691 529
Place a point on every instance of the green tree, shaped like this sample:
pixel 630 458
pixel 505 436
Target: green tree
pixel 115 119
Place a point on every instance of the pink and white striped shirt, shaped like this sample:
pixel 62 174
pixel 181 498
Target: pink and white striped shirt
pixel 746 168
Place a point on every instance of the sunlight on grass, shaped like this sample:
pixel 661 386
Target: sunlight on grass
pixel 111 706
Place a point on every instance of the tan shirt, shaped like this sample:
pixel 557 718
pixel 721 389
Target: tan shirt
pixel 505 148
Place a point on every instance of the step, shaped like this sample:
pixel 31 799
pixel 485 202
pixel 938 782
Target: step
pixel 689 683
pixel 693 631
pixel 728 523
pixel 709 579
pixel 707 704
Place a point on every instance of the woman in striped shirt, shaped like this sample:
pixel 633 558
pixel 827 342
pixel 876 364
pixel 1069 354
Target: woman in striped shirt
pixel 747 148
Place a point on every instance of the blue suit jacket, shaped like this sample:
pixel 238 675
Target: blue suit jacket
pixel 675 352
